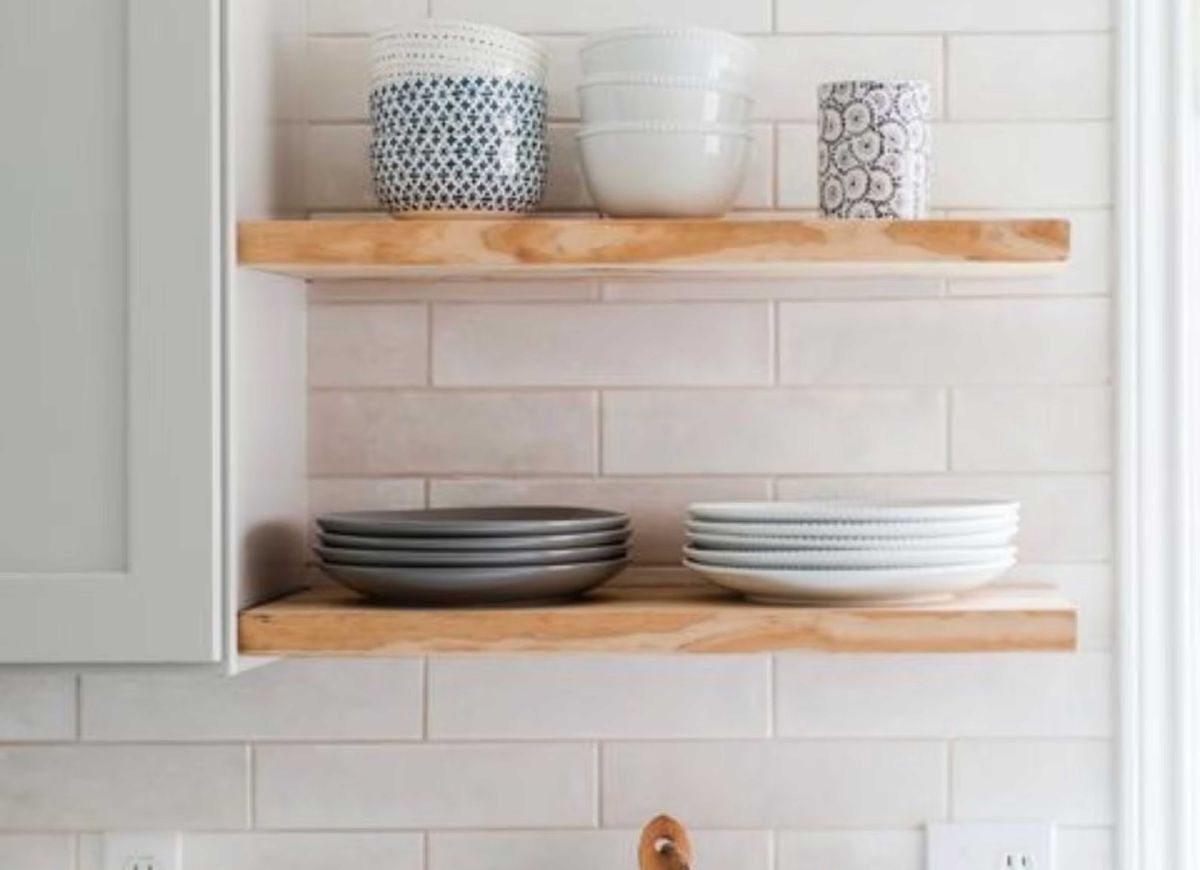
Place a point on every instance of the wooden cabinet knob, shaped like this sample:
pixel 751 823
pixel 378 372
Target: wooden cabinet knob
pixel 665 845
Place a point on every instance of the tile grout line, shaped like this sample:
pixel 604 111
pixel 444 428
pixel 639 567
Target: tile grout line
pixel 78 707
pixel 251 786
pixel 425 699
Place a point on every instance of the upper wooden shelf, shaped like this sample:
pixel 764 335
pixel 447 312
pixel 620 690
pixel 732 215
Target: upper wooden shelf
pixel 382 248
pixel 333 621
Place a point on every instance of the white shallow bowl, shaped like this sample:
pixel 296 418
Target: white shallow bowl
pixel 644 170
pixel 672 51
pixel 999 538
pixel 667 99
pixel 846 558
pixel 920 510
pixel 850 586
pixel 925 529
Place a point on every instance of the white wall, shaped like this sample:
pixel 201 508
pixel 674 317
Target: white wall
pixel 786 762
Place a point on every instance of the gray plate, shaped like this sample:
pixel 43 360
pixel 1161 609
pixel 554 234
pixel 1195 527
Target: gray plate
pixel 471 586
pixel 473 522
pixel 512 542
pixel 397 558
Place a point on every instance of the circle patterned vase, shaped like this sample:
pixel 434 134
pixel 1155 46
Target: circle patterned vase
pixel 873 151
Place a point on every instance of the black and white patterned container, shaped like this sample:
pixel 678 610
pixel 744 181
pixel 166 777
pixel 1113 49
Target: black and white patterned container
pixel 874 149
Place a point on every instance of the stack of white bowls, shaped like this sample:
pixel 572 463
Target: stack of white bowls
pixel 852 552
pixel 458 111
pixel 666 115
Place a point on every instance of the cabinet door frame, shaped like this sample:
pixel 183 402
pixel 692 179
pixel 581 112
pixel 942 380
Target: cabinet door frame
pixel 165 605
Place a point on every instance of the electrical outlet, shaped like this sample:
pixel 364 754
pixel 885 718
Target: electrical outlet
pixel 989 846
pixel 150 850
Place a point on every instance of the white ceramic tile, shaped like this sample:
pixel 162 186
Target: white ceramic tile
pixel 1089 270
pixel 490 290
pixel 657 505
pixel 338 78
pixel 1029 77
pixel 1070 165
pixel 789 68
pixel 459 786
pixel 1042 695
pixel 587 850
pixel 64 788
pixel 1070 782
pixel 1064 518
pixel 562 75
pixel 37 852
pixel 961 341
pixel 383 432
pixel 699 432
pixel 302 851
pixel 549 16
pixel 36 705
pixel 742 784
pixel 340 494
pixel 900 16
pixel 1031 429
pixel 599 696
pixel 367 345
pixel 297 699
pixel 1086 849
pixel 850 850
pixel 601 345
pixel 742 289
pixel 1034 165
pixel 337 168
pixel 1089 586
pixel 362 16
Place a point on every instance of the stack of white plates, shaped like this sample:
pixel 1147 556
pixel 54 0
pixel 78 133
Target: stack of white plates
pixel 851 552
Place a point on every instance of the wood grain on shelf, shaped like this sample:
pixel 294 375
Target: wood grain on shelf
pixel 365 248
pixel 331 621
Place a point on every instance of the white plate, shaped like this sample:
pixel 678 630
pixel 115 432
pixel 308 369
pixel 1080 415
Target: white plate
pixel 854 511
pixel 826 542
pixel 879 586
pixel 846 558
pixel 853 530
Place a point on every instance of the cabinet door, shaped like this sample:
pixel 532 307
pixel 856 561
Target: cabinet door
pixel 110 288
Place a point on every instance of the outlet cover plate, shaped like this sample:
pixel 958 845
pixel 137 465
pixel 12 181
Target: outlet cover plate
pixel 143 850
pixel 989 846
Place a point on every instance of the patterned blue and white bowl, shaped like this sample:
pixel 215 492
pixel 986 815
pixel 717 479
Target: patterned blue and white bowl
pixel 426 104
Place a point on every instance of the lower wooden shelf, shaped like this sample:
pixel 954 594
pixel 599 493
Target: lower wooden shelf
pixel 333 621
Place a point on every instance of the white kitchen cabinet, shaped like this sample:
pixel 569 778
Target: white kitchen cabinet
pixel 110 339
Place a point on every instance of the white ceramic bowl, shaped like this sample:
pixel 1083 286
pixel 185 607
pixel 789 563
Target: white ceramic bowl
pixel 647 170
pixel 668 99
pixel 671 51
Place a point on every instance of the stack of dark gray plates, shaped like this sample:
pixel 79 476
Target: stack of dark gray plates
pixel 467 556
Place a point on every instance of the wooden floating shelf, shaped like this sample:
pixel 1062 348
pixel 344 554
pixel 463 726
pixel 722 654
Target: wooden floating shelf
pixel 333 621
pixel 536 245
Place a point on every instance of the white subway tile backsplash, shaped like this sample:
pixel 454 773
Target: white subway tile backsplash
pixel 362 16
pixel 338 79
pixel 1039 695
pixel 298 699
pixel 337 173
pixel 385 432
pixel 1031 429
pixel 37 852
pixel 1064 518
pixel 36 705
pixel 495 291
pixel 977 341
pixel 368 345
pixel 742 288
pixel 334 494
pixel 302 851
pixel 903 16
pixel 64 788
pixel 587 850
pixel 548 16
pixel 429 786
pixel 697 432
pixel 1029 77
pixel 776 783
pixel 1086 849
pixel 601 345
pixel 657 505
pixel 1068 781
pixel 850 850
pixel 599 696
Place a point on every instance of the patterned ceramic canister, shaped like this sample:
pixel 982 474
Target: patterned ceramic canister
pixel 873 153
